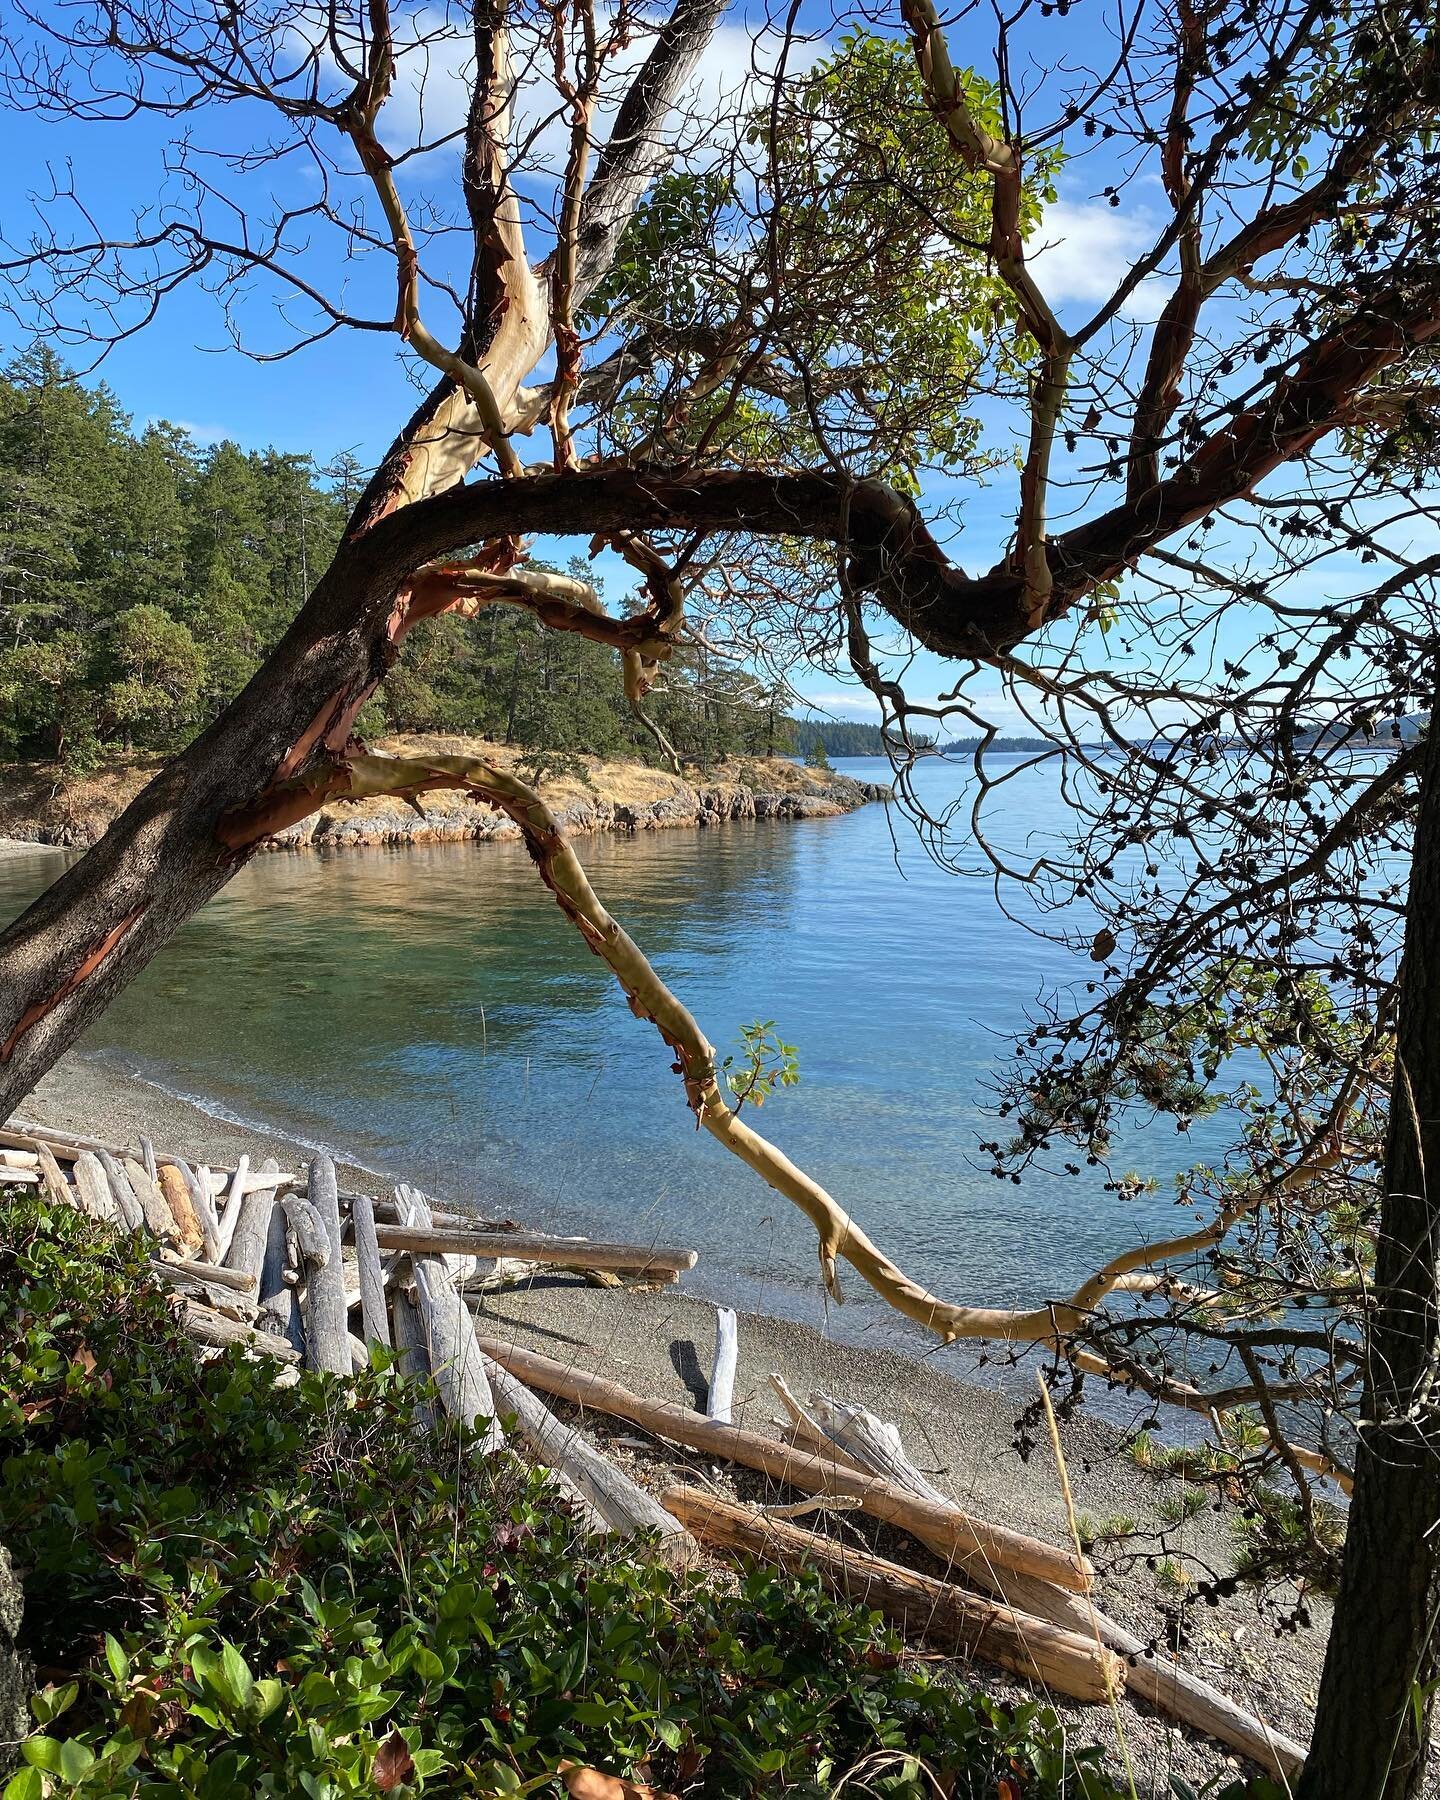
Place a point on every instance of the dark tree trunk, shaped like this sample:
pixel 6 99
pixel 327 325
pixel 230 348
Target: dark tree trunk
pixel 1383 1643
pixel 91 932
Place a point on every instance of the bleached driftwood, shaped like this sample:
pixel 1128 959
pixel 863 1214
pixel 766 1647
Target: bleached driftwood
pixel 54 1181
pixel 575 1253
pixel 720 1400
pixel 508 1272
pixel 455 1359
pixel 611 1499
pixel 210 1327
pixel 213 1294
pixel 126 1201
pixel 252 1223
pixel 147 1159
pixel 327 1336
pixel 373 1314
pixel 968 1541
pixel 875 1444
pixel 14 1177
pixel 414 1351
pixel 229 1213
pixel 215 1274
pixel 159 1219
pixel 92 1184
pixel 1063 1661
pixel 309 1228
pixel 279 1313
pixel 801 1429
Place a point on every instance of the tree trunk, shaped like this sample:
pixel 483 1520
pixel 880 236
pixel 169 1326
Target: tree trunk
pixel 1382 1653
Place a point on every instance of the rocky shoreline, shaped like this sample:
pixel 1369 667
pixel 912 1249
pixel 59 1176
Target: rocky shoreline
pixel 40 805
pixel 453 818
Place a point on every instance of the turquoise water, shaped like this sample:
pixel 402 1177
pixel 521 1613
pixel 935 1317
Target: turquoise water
pixel 429 1012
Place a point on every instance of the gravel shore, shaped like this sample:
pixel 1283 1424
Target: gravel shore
pixel 964 1433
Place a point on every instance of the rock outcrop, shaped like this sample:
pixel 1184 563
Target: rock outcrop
pixel 41 806
pixel 452 817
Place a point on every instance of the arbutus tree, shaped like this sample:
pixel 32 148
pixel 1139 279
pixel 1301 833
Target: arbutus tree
pixel 746 369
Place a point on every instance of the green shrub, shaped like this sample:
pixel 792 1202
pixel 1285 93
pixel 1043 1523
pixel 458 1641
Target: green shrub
pixel 235 1588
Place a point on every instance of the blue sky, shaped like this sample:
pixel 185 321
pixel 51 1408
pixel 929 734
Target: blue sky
pixel 352 391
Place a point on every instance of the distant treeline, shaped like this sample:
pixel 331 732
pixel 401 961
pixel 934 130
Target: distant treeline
pixel 143 577
pixel 843 739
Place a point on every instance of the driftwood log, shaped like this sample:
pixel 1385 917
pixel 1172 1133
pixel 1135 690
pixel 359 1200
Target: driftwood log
pixel 175 1191
pixel 611 1498
pixel 229 1212
pixel 327 1333
pixel 203 1203
pixel 720 1399
pixel 92 1185
pixel 54 1181
pixel 414 1351
pixel 875 1444
pixel 210 1327
pixel 374 1317
pixel 576 1253
pixel 159 1219
pixel 450 1337
pixel 279 1312
pixel 1064 1661
pixel 969 1542
pixel 252 1223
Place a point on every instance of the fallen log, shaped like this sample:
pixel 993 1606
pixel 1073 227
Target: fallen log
pixel 229 1213
pixel 210 1327
pixel 1063 1661
pixel 373 1315
pixel 252 1223
pixel 279 1312
pixel 211 1293
pixel 969 1542
pixel 92 1184
pixel 175 1191
pixel 450 1336
pixel 578 1253
pixel 327 1333
pixel 310 1234
pixel 875 1444
pixel 238 1281
pixel 56 1185
pixel 159 1219
pixel 611 1500
pixel 414 1352
pixel 803 1430
pixel 720 1398
pixel 203 1204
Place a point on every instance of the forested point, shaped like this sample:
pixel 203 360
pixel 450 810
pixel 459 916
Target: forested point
pixel 144 577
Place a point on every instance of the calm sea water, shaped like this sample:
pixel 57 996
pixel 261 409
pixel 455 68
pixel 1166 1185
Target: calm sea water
pixel 429 1012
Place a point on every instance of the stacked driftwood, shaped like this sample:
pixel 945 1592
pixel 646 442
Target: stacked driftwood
pixel 287 1265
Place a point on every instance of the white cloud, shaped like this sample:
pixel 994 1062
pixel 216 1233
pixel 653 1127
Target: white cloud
pixel 204 435
pixel 1081 249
